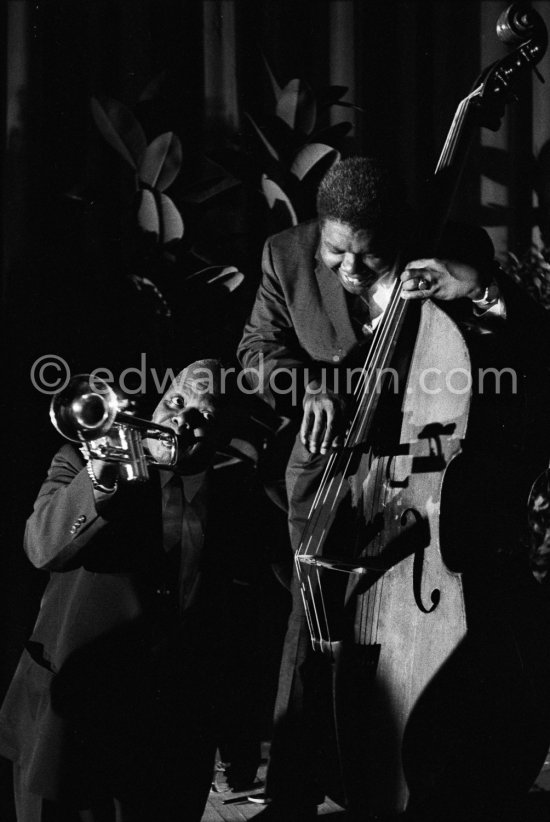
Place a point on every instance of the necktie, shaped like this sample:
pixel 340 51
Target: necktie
pixel 192 544
pixel 183 534
pixel 172 513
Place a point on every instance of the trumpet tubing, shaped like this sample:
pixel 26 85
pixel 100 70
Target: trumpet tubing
pixel 89 412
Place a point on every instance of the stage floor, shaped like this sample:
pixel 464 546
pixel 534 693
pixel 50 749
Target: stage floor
pixel 224 805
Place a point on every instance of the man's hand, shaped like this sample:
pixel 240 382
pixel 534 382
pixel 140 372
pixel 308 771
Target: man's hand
pixel 323 420
pixel 442 280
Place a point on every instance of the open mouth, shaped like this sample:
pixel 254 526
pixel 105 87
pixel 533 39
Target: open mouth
pixel 186 440
pixel 357 281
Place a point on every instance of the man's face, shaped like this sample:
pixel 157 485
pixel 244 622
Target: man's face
pixel 189 409
pixel 358 258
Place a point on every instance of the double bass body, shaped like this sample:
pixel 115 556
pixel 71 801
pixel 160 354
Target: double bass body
pixel 439 676
pixel 405 607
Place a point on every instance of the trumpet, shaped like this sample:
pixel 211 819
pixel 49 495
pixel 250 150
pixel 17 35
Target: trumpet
pixel 89 412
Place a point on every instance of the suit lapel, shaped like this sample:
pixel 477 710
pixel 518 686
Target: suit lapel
pixel 334 300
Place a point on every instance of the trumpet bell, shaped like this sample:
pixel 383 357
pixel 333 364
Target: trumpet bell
pixel 85 409
pixel 89 412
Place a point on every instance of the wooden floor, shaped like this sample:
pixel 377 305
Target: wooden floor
pixel 224 805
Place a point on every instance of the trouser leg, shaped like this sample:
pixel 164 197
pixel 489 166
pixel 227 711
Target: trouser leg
pixel 28 806
pixel 302 732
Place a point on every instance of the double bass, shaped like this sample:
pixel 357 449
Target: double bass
pixel 381 599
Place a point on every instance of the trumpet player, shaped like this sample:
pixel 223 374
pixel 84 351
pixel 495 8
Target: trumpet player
pixel 110 705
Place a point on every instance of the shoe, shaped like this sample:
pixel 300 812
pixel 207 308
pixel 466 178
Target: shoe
pixel 241 780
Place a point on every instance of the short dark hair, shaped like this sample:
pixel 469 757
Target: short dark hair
pixel 362 192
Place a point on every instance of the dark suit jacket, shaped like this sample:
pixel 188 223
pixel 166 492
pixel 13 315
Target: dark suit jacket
pixel 94 643
pixel 300 318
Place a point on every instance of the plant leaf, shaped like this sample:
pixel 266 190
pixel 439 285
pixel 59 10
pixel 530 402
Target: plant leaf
pixel 274 84
pixel 171 221
pixel 205 190
pixel 153 292
pixel 274 194
pixel 158 215
pixel 284 140
pixel 230 278
pixel 332 134
pixel 153 88
pixel 205 181
pixel 148 213
pixel 345 104
pixel 260 134
pixel 309 156
pixel 297 106
pixel 227 277
pixel 120 129
pixel 332 94
pixel 161 161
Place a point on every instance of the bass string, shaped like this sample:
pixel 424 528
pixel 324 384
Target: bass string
pixel 394 314
pixel 339 462
pixel 326 486
pixel 455 132
pixel 375 366
pixel 364 394
pixel 361 393
pixel 371 600
pixel 309 576
pixel 310 592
